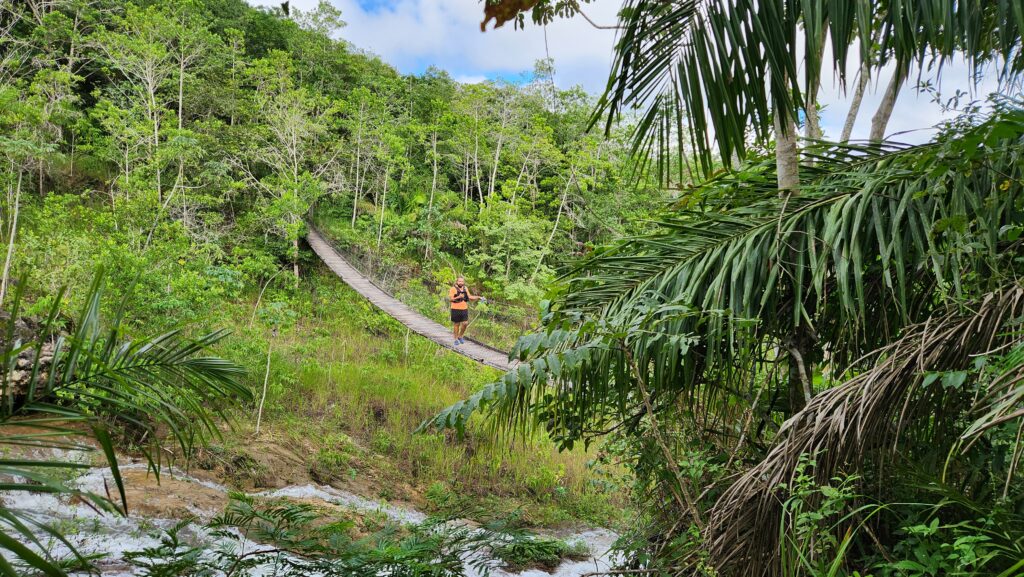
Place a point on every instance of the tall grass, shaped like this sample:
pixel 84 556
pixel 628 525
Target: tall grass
pixel 356 384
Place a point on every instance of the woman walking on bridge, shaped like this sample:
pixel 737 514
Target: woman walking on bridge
pixel 459 298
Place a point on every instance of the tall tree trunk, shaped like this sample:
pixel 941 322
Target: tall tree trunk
pixel 181 92
pixel 181 125
pixel 430 203
pixel 497 155
pixel 494 169
pixel 127 169
pixel 433 177
pixel 554 229
pixel 476 169
pixel 465 181
pixel 881 119
pixel 266 379
pixel 383 201
pixel 787 160
pixel 359 154
pixel 295 260
pixel 858 97
pixel 813 120
pixel 800 344
pixel 156 147
pixel 10 242
pixel 813 128
pixel 787 163
pixel 519 179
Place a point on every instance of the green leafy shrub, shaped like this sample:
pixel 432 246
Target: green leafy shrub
pixel 529 552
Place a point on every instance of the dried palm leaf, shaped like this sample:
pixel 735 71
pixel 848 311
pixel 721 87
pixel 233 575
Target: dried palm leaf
pixel 864 417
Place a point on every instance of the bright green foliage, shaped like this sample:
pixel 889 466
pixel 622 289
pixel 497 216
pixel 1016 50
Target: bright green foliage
pixel 61 390
pixel 183 145
pixel 816 529
pixel 538 553
pixel 226 127
pixel 865 241
pixel 497 181
pixel 696 317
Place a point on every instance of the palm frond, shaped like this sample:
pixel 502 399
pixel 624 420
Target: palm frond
pixel 1004 399
pixel 865 416
pixel 78 386
pixel 723 68
pixel 709 300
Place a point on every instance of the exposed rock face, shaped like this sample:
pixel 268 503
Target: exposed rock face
pixel 20 376
pixel 171 497
pixel 24 328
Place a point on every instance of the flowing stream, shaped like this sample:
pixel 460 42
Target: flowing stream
pixel 97 533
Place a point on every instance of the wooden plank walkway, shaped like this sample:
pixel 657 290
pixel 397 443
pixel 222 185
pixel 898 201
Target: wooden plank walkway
pixel 418 323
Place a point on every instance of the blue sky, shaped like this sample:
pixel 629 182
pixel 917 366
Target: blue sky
pixel 415 34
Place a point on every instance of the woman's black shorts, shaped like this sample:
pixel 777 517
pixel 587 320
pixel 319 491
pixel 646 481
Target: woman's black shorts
pixel 460 315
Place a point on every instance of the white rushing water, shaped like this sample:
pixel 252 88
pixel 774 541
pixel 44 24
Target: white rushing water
pixel 599 541
pixel 95 533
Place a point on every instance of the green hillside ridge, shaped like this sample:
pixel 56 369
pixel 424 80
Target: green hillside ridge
pixel 181 145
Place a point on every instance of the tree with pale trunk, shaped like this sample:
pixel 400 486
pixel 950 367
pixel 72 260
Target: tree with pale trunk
pixel 730 71
pixel 365 117
pixel 295 144
pixel 24 147
pixel 138 49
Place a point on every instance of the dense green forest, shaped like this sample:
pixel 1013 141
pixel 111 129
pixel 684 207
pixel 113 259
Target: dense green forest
pixel 748 346
pixel 216 129
pixel 812 365
pixel 161 161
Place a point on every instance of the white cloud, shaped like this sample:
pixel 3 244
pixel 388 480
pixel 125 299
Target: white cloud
pixel 415 34
pixel 470 78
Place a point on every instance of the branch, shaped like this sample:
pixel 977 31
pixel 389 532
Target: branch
pixel 801 369
pixel 686 500
pixel 598 26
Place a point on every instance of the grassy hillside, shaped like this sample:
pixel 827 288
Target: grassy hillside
pixel 348 386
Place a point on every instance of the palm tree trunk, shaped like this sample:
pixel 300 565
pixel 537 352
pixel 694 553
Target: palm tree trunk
pixel 881 119
pixel 858 97
pixel 787 161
